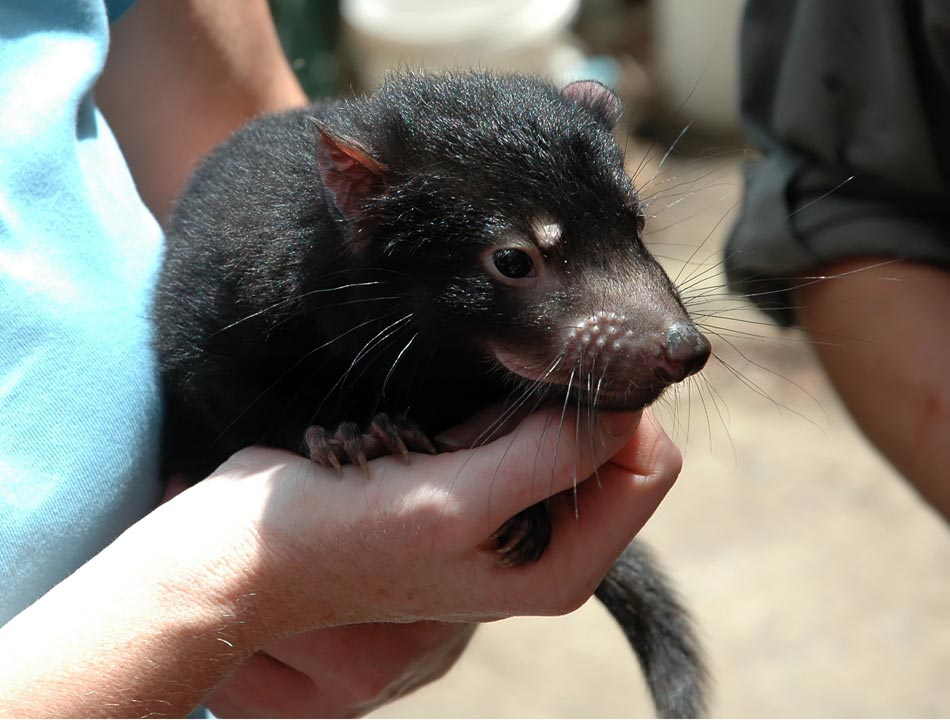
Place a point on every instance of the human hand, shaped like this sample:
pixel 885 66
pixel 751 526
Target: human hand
pixel 341 672
pixel 409 542
pixel 351 670
pixel 347 671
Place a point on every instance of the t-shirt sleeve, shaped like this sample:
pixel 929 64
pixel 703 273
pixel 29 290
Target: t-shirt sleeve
pixel 79 252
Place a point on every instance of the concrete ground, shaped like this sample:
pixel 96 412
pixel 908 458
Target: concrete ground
pixel 820 582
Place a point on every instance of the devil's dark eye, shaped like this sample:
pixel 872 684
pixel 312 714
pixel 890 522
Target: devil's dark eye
pixel 512 263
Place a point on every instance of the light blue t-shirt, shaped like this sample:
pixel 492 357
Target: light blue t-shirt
pixel 79 252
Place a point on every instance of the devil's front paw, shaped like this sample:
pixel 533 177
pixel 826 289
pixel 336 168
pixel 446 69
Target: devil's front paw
pixel 349 444
pixel 524 537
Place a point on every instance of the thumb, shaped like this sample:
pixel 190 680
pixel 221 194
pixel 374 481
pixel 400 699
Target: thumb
pixel 487 424
pixel 547 453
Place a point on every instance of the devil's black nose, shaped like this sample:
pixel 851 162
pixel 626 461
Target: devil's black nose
pixel 686 352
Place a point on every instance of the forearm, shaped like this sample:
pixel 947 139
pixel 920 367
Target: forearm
pixel 881 332
pixel 147 627
pixel 181 77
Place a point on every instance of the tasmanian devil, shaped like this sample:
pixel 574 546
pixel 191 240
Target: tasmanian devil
pixel 348 279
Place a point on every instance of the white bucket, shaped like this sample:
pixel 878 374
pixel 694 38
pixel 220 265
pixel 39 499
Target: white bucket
pixel 515 35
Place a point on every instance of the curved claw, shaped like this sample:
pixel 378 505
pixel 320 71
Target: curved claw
pixel 400 436
pixel 348 445
pixel 322 448
pixel 523 538
pixel 335 462
pixel 426 444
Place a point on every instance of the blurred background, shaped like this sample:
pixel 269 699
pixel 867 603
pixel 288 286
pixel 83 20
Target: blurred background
pixel 654 53
pixel 819 581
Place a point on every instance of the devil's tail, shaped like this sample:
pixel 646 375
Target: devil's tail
pixel 642 601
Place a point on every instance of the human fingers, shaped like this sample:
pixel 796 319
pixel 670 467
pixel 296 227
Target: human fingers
pixel 264 687
pixel 483 427
pixel 548 452
pixel 405 543
pixel 591 529
pixel 360 667
pixel 340 672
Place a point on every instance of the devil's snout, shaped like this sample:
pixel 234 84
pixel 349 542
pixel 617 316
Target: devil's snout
pixel 618 343
pixel 685 352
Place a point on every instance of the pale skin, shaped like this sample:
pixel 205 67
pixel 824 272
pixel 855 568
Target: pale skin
pixel 180 80
pixel 883 336
pixel 240 589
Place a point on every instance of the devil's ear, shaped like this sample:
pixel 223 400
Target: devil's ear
pixel 347 169
pixel 597 98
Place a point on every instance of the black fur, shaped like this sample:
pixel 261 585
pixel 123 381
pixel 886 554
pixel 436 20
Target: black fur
pixel 659 630
pixel 302 289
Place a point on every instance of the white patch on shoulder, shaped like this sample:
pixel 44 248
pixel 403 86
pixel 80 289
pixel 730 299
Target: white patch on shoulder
pixel 547 232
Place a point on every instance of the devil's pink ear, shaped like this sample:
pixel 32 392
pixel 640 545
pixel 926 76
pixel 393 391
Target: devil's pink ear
pixel 347 169
pixel 597 98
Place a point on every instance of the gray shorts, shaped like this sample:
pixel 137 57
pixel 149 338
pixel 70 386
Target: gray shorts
pixel 849 101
